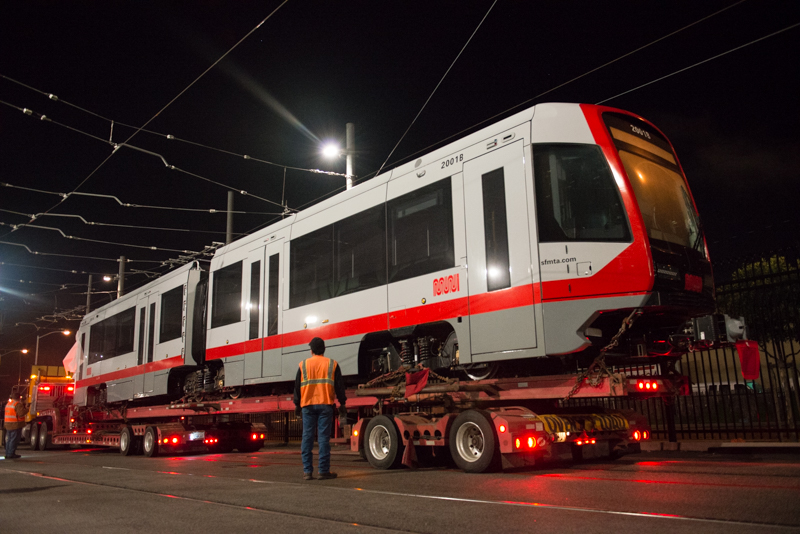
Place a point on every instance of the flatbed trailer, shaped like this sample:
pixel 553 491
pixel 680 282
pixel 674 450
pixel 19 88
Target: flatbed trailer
pixel 481 425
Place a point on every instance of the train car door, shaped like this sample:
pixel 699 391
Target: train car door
pixel 502 316
pixel 271 316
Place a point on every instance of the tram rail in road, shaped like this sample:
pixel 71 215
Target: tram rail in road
pixel 80 489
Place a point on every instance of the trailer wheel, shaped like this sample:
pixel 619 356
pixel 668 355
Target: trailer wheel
pixel 127 442
pixel 44 437
pixel 473 444
pixel 383 447
pixel 150 443
pixel 34 436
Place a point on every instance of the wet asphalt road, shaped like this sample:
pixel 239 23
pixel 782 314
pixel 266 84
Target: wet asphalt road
pixel 82 490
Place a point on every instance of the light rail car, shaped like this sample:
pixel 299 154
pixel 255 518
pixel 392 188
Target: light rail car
pixel 521 247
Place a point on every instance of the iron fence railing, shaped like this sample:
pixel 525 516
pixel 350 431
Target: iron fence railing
pixel 765 291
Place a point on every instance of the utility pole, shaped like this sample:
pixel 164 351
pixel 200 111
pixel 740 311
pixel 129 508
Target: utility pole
pixel 88 296
pixel 229 227
pixel 350 147
pixel 121 278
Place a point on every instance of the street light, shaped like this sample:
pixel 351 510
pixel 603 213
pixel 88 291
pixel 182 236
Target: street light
pixel 36 356
pixel 331 151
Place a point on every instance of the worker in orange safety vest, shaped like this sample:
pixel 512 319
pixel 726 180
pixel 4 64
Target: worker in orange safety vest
pixel 318 381
pixel 14 422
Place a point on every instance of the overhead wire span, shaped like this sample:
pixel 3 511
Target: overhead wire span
pixel 75 238
pixel 701 62
pixel 37 253
pixel 437 87
pixel 559 86
pixel 94 223
pixel 128 204
pixel 165 136
pixel 102 163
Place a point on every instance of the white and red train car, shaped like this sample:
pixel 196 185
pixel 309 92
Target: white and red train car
pixel 522 245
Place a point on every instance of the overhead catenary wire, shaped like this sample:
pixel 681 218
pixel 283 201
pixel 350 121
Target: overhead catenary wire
pixel 102 163
pixel 170 137
pixel 128 204
pixel 94 223
pixel 39 253
pixel 773 34
pixel 559 86
pixel 436 88
pixel 100 241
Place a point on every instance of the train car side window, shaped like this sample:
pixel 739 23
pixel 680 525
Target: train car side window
pixel 112 336
pixel 227 298
pixel 151 333
pixel 311 269
pixel 495 226
pixel 80 356
pixel 360 251
pixel 421 232
pixel 171 315
pixel 576 197
pixel 141 336
pixel 272 312
pixel 255 301
pixel 341 258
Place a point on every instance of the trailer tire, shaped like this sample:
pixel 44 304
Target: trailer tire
pixel 44 437
pixel 127 441
pixel 34 436
pixel 150 442
pixel 382 444
pixel 473 443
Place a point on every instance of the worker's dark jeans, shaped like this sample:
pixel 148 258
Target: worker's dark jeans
pixel 317 417
pixel 12 440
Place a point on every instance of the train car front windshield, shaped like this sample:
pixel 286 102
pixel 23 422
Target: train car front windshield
pixel 667 209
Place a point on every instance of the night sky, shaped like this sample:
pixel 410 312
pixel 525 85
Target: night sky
pixel 316 65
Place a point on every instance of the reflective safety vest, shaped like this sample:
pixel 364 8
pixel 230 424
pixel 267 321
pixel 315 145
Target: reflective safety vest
pixel 316 381
pixel 11 413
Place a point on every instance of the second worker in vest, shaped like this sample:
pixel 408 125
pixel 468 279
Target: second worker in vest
pixel 14 422
pixel 318 381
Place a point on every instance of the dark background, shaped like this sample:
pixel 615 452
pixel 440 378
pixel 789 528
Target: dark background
pixel 312 67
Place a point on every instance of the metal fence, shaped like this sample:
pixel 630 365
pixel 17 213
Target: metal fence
pixel 765 290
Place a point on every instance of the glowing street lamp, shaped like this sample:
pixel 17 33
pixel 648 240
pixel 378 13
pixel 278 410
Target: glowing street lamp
pixel 331 151
pixel 36 356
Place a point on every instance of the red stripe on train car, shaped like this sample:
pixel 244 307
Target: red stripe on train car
pixel 160 365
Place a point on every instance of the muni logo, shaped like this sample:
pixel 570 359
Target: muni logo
pixel 446 285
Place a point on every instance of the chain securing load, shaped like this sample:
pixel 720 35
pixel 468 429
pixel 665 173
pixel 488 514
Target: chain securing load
pixel 598 370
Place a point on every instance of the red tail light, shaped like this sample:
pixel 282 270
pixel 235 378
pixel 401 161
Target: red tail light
pixel 70 388
pixel 645 435
pixel 89 431
pixel 637 435
pixel 44 388
pixel 518 443
pixel 254 437
pixel 175 440
pixel 502 428
pixel 646 385
pixel 531 443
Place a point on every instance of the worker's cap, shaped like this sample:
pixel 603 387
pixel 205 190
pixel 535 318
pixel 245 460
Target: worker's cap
pixel 317 346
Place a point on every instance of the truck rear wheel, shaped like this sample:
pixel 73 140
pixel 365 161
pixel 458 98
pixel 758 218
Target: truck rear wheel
pixel 34 436
pixel 473 444
pixel 127 441
pixel 382 444
pixel 44 436
pixel 150 442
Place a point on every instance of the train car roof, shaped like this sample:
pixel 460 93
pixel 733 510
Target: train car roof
pixel 139 290
pixel 469 140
